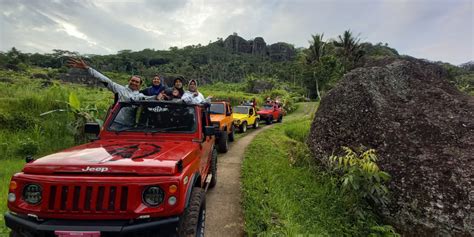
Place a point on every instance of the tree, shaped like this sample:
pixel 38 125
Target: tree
pixel 314 54
pixel 350 48
pixel 316 49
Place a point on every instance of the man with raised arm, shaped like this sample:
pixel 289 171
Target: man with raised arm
pixel 131 92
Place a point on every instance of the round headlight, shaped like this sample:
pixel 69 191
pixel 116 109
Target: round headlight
pixel 153 196
pixel 11 197
pixel 172 200
pixel 32 194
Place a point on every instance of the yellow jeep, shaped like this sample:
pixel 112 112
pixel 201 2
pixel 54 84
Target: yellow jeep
pixel 245 116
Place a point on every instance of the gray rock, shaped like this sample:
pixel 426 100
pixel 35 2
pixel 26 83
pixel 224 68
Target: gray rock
pixel 423 130
pixel 281 51
pixel 237 44
pixel 259 47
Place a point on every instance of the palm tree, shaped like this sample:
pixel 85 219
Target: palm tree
pixel 316 49
pixel 350 46
pixel 314 54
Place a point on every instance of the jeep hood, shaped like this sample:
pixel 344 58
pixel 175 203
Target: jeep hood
pixel 217 117
pixel 267 111
pixel 240 116
pixel 117 157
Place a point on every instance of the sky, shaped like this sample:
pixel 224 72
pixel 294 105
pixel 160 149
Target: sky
pixel 437 30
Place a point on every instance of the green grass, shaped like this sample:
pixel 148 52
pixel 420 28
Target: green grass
pixel 8 167
pixel 284 194
pixel 24 132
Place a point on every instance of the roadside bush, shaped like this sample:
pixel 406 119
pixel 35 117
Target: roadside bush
pixel 361 179
pixel 27 147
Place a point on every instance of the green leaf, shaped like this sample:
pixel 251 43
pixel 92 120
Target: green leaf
pixel 74 102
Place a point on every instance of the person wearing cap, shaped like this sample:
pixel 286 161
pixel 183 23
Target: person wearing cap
pixel 193 96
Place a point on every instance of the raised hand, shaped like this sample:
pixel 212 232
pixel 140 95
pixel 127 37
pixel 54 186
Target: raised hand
pixel 77 63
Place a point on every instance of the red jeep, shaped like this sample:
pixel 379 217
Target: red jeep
pixel 145 174
pixel 271 112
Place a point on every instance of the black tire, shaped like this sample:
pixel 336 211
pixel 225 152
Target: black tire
pixel 223 142
pixel 269 120
pixel 243 127
pixel 255 125
pixel 213 169
pixel 232 133
pixel 280 119
pixel 192 222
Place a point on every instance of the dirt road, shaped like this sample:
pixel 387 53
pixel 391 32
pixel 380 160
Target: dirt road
pixel 224 215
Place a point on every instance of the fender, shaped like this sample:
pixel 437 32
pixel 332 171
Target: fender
pixel 192 184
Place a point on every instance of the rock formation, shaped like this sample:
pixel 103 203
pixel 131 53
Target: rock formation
pixel 277 52
pixel 281 51
pixel 259 47
pixel 423 130
pixel 237 44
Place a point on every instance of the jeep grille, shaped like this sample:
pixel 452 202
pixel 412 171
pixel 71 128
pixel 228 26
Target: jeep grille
pixel 85 199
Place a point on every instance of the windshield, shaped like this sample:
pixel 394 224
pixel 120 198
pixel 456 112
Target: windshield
pixel 241 110
pixel 268 106
pixel 154 117
pixel 217 108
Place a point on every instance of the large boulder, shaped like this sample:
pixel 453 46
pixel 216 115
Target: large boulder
pixel 423 130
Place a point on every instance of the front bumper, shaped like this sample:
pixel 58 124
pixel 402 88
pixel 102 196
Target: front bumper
pixel 106 228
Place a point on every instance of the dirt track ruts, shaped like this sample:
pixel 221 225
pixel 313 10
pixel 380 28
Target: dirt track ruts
pixel 224 215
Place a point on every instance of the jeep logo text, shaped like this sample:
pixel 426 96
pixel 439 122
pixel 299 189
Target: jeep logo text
pixel 96 169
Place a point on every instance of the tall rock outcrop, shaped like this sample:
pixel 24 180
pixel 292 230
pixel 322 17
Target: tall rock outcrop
pixel 259 47
pixel 281 51
pixel 423 130
pixel 277 52
pixel 237 44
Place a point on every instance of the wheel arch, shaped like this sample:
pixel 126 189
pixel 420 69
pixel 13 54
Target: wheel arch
pixel 195 182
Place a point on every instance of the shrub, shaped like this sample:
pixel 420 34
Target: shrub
pixel 27 147
pixel 361 178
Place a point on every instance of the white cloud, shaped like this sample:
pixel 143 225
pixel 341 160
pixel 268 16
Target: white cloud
pixel 437 30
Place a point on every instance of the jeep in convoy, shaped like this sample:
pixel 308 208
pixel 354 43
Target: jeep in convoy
pixel 245 116
pixel 222 120
pixel 144 174
pixel 270 113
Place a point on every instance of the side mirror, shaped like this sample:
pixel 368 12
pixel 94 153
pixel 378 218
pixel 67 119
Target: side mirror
pixel 92 128
pixel 209 131
pixel 29 159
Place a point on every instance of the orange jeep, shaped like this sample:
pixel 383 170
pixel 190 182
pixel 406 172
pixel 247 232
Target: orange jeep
pixel 223 122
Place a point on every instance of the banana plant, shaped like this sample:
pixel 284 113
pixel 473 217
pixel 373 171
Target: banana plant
pixel 82 115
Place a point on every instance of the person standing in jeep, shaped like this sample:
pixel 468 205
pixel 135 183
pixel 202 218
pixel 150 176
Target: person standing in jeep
pixel 193 96
pixel 156 87
pixel 131 92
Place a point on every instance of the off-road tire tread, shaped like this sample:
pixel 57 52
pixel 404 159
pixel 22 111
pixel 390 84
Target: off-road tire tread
pixel 213 182
pixel 189 220
pixel 255 124
pixel 243 127
pixel 223 143
pixel 232 133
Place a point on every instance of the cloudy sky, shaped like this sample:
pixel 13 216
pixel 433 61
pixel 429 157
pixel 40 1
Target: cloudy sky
pixel 431 29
